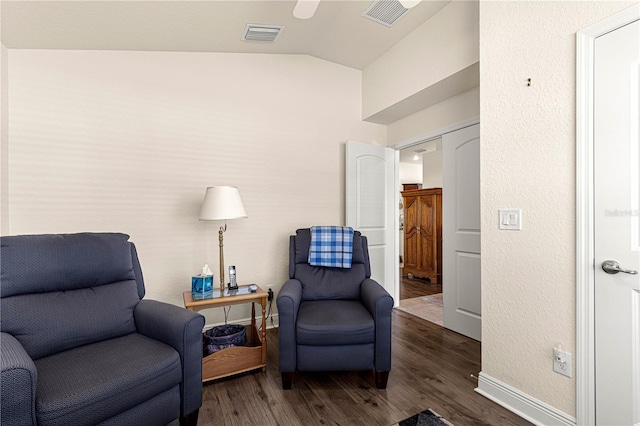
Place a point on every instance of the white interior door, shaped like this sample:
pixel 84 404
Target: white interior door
pixel 461 231
pixel 617 225
pixel 371 208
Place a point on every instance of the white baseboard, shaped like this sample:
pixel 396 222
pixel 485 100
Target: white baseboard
pixel 247 321
pixel 527 407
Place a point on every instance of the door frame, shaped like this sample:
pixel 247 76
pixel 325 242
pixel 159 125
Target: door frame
pixel 416 140
pixel 585 198
pixel 425 137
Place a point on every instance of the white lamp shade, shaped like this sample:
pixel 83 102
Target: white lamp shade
pixel 222 202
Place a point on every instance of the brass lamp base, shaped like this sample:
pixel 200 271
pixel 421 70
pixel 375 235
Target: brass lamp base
pixel 220 232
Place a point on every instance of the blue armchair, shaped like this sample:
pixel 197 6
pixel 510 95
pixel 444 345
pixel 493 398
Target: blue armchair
pixel 79 344
pixel 333 318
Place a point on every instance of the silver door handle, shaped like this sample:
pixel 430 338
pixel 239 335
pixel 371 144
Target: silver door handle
pixel 613 267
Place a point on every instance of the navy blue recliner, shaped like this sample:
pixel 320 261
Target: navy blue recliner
pixel 333 318
pixel 79 344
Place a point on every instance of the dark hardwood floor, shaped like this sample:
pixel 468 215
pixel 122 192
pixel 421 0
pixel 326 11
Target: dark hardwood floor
pixel 416 287
pixel 431 368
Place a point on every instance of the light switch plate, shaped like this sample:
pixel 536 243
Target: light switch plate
pixel 511 219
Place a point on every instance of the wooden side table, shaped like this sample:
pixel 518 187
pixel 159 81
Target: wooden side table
pixel 236 359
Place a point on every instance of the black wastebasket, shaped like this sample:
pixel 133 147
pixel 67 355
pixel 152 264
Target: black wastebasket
pixel 224 336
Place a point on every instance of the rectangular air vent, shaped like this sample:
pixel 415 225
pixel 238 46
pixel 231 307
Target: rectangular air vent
pixel 256 32
pixel 385 12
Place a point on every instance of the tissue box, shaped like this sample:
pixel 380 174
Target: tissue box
pixel 202 287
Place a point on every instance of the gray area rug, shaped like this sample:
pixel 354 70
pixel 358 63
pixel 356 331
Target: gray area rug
pixel 426 418
pixel 426 307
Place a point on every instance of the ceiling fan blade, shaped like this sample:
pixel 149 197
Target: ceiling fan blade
pixel 305 8
pixel 408 4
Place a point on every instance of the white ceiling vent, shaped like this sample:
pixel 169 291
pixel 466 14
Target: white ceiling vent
pixel 257 32
pixel 385 12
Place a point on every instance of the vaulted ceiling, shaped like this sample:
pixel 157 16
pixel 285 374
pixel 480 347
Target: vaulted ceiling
pixel 337 32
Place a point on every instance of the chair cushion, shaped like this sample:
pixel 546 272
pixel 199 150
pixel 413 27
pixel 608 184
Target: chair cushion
pixel 47 323
pixel 93 383
pixel 319 283
pixel 334 322
pixel 59 262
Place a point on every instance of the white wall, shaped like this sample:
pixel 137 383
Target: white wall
pixel 4 140
pixel 432 167
pixel 528 162
pixel 409 173
pixel 128 141
pixel 444 45
pixel 459 108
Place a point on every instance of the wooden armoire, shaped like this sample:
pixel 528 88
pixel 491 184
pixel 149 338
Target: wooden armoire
pixel 423 233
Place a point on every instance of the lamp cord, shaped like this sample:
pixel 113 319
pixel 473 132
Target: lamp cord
pixel 226 309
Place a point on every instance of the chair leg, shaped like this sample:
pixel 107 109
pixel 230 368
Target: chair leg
pixel 190 419
pixel 287 380
pixel 381 379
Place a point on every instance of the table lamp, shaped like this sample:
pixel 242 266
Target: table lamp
pixel 222 203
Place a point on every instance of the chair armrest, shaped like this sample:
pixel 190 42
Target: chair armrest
pixel 182 330
pixel 288 302
pixel 379 303
pixel 375 298
pixel 18 379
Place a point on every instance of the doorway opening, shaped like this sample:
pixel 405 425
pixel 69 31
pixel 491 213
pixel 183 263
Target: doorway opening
pixel 420 174
pixel 439 184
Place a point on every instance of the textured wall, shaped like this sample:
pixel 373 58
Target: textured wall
pixel 128 141
pixel 528 162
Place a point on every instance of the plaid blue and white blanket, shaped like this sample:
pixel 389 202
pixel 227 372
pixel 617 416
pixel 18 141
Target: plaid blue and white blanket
pixel 331 246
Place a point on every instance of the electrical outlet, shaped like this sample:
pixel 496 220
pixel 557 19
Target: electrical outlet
pixel 270 294
pixel 562 362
